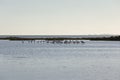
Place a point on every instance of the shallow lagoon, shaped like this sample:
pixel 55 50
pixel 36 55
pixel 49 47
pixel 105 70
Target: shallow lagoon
pixel 94 60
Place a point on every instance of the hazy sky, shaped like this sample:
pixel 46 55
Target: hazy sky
pixel 55 17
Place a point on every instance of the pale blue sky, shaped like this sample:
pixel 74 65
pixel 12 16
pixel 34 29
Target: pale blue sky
pixel 59 17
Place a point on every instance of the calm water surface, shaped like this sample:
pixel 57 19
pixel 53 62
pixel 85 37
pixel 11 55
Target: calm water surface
pixel 94 60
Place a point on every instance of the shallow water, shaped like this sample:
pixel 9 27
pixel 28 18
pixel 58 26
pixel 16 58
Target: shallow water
pixel 94 60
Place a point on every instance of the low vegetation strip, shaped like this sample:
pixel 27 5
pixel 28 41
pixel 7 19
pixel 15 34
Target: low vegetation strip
pixel 112 38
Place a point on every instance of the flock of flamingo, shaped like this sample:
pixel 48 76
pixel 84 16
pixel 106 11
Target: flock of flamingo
pixel 55 41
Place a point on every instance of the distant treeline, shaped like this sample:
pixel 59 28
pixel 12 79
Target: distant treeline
pixel 20 38
pixel 112 38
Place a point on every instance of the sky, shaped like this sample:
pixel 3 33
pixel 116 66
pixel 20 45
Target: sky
pixel 59 17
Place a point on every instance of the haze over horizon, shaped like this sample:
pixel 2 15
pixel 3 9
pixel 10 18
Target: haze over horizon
pixel 59 17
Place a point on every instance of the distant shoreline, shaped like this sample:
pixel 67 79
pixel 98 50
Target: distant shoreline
pixel 111 38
